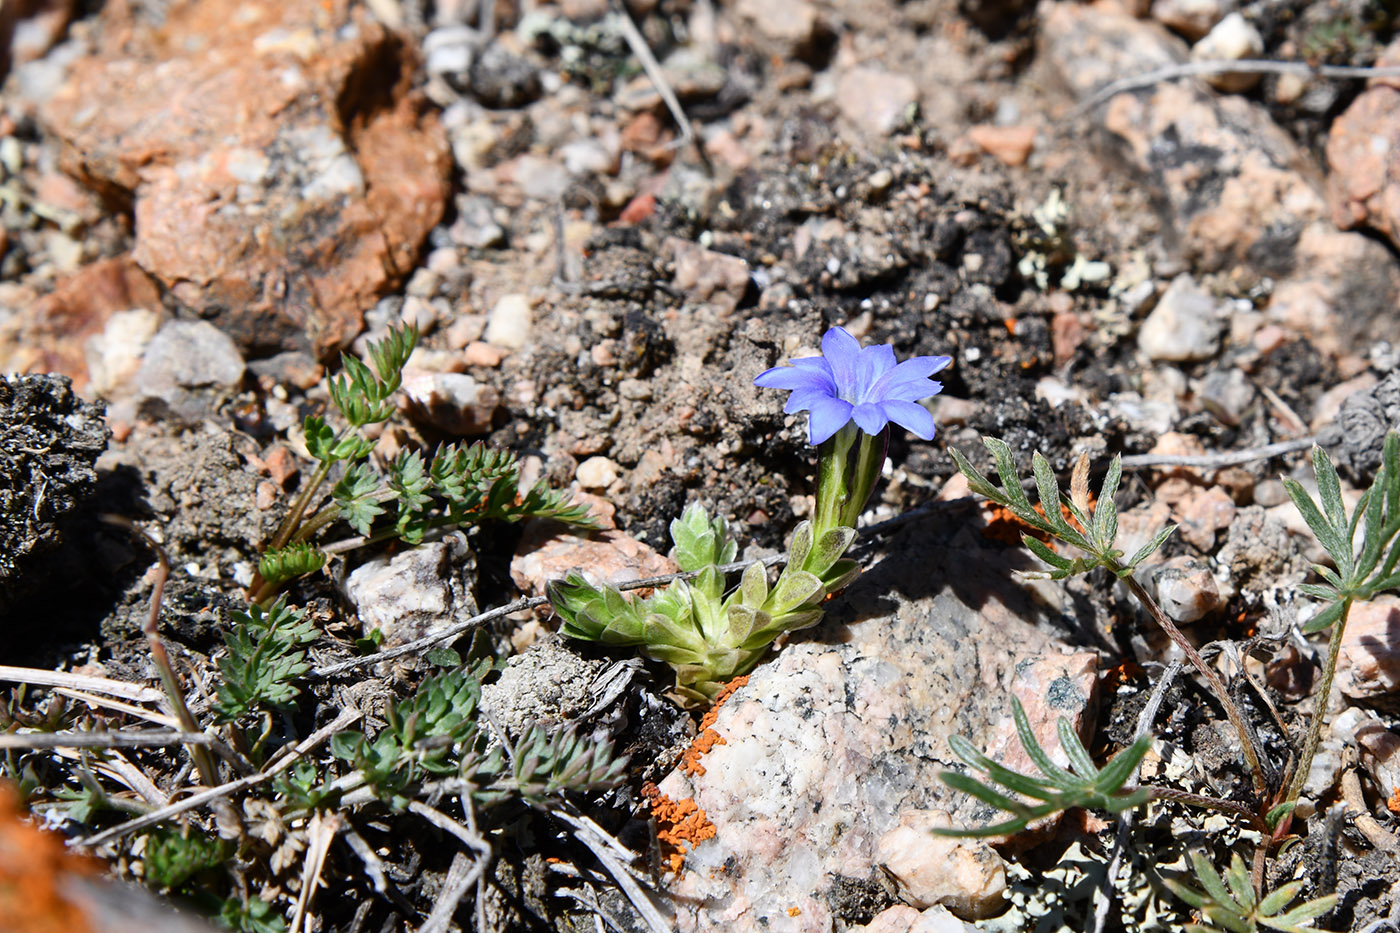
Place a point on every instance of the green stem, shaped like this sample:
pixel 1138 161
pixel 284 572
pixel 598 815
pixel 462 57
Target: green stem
pixel 1324 695
pixel 299 506
pixel 870 457
pixel 1261 785
pixel 834 456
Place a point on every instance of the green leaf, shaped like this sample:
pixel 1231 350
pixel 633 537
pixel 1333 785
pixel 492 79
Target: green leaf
pixel 1276 815
pixel 754 585
pixel 353 494
pixel 1329 490
pixel 319 437
pixel 976 482
pixel 1325 619
pixel 1075 751
pixel 1105 512
pixel 1042 550
pixel 1048 488
pixel 1150 547
pixel 1326 534
pixel 1114 774
pixel 1057 776
pixel 288 563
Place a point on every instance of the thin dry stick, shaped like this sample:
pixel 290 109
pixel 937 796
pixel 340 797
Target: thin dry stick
pixel 374 865
pixel 461 876
pixel 139 712
pixel 142 739
pixel 321 832
pixel 118 768
pixel 116 688
pixel 284 761
pixel 603 846
pixel 1227 458
pixel 1245 66
pixel 465 872
pixel 1128 817
pixel 1375 833
pixel 638 44
pixel 208 774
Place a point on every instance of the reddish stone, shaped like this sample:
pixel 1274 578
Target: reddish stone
pixel 638 209
pixel 281 173
pixel 48 336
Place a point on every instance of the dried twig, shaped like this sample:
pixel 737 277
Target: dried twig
pixel 638 44
pixel 1368 825
pixel 116 688
pixel 120 706
pixel 1244 66
pixel 275 767
pixel 1223 459
pixel 607 850
pixel 101 739
pixel 320 833
pixel 1128 817
pixel 464 872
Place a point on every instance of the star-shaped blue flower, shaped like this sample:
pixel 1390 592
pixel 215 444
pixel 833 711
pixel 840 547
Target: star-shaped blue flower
pixel 847 383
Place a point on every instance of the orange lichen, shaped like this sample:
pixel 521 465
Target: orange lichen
pixel 678 822
pixel 708 737
pixel 33 864
pixel 1005 527
pixel 794 911
pixel 1393 804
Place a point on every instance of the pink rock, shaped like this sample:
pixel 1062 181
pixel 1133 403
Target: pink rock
pixel 705 275
pixel 1369 664
pixel 478 353
pixel 602 557
pixel 873 99
pixel 271 195
pixel 1201 513
pixel 965 875
pixel 1009 145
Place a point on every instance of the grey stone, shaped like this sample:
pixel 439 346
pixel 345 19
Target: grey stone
pixel 415 593
pixel 1184 326
pixel 839 739
pixel 1357 440
pixel 49 441
pixel 1186 590
pixel 190 366
pixel 1226 393
pixel 452 402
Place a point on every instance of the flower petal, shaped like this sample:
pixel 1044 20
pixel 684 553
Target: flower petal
pixel 791 377
pixel 869 418
pixel 911 370
pixel 912 391
pixel 829 415
pixel 915 418
pixel 802 399
pixel 842 351
pixel 874 362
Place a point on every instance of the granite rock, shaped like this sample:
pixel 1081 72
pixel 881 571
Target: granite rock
pixel 1363 183
pixel 190 367
pixel 873 99
pixel 417 592
pixel 840 737
pixel 1186 324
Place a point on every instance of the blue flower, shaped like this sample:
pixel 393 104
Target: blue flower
pixel 847 383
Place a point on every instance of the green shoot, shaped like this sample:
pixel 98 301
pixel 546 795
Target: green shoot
pixel 265 657
pixel 1058 789
pixel 1230 903
pixel 1095 537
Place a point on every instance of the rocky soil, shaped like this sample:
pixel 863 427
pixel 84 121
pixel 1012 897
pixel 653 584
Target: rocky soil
pixel 203 204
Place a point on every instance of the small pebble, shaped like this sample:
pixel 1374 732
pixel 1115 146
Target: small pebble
pixel 510 322
pixel 597 473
